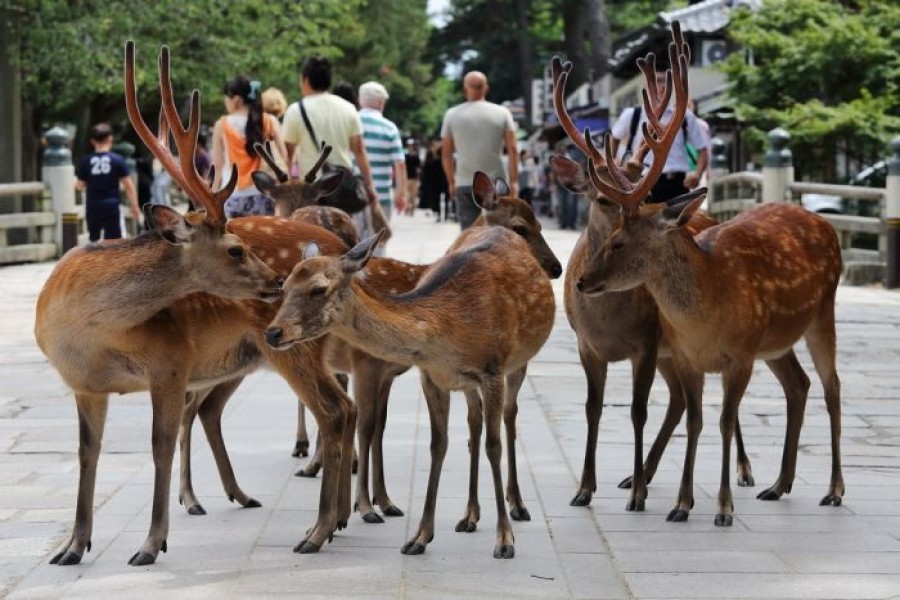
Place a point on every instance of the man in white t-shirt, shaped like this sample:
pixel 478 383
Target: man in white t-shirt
pixel 677 177
pixel 476 130
pixel 334 121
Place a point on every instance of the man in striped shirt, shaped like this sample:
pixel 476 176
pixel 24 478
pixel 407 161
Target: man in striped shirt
pixel 385 150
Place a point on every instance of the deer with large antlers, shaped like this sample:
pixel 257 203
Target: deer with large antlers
pixel 373 376
pixel 434 326
pixel 745 289
pixel 141 315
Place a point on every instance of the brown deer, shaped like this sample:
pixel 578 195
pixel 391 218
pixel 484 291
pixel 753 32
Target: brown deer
pixel 373 377
pixel 440 327
pixel 616 327
pixel 140 315
pixel 745 289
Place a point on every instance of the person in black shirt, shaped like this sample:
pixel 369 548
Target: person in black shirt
pixel 100 173
pixel 413 172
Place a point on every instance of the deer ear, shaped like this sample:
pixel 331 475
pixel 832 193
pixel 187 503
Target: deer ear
pixel 501 188
pixel 483 192
pixel 169 223
pixel 263 181
pixel 570 174
pixel 680 210
pixel 329 183
pixel 360 254
pixel 311 251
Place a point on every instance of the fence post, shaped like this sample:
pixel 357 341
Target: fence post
pixel 892 215
pixel 59 175
pixel 778 167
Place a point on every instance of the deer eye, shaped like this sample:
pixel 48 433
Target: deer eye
pixel 520 230
pixel 236 252
pixel 618 245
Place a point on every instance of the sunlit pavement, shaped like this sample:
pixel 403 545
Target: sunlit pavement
pixel 792 548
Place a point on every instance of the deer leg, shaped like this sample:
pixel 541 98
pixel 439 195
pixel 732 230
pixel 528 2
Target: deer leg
pixel 381 498
pixel 792 378
pixel 365 394
pixel 643 369
pixel 820 339
pixel 438 411
pixel 91 420
pixel 595 372
pixel 469 522
pixel 517 509
pixel 301 445
pixel 211 418
pixel 315 464
pixel 692 384
pixel 734 382
pixel 186 496
pixel 744 471
pixel 493 393
pixel 167 399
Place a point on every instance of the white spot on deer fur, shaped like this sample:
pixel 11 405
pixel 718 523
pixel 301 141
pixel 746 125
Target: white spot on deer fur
pixel 421 325
pixel 270 261
pixel 249 226
pixel 284 253
pixel 267 230
pixel 382 272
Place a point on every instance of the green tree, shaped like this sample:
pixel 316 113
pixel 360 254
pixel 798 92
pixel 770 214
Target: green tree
pixel 828 73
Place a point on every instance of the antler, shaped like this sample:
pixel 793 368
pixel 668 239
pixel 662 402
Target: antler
pixel 657 137
pixel 323 156
pixel 265 151
pixel 183 172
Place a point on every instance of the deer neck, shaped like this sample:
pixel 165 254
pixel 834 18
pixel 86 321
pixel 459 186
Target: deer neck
pixel 381 325
pixel 678 281
pixel 599 227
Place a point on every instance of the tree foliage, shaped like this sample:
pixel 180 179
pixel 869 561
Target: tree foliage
pixel 827 73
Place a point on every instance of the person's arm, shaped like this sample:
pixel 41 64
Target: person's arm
pixel 80 185
pixel 698 139
pixel 512 162
pixel 692 179
pixel 447 150
pixel 362 161
pixel 400 198
pixel 131 194
pixel 278 141
pixel 218 154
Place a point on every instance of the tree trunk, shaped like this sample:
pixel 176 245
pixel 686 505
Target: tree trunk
pixel 574 32
pixel 526 64
pixel 598 33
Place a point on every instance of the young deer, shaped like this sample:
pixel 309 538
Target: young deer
pixel 140 315
pixel 745 289
pixel 373 377
pixel 433 326
pixel 616 327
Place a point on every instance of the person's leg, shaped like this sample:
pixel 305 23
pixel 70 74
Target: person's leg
pixel 466 209
pixel 668 186
pixel 93 224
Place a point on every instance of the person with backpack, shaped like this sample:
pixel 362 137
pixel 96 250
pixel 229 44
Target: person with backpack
pixel 687 160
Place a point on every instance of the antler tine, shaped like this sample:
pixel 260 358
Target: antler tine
pixel 619 183
pixel 559 105
pixel 265 151
pixel 323 156
pixel 158 144
pixel 186 142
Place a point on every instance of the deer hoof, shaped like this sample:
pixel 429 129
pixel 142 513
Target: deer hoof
pixel 635 505
pixel 519 514
pixel 65 558
pixel 678 515
pixel 724 520
pixel 252 503
pixel 769 494
pixel 830 500
pixel 466 526
pixel 412 547
pixel 301 449
pixel 340 525
pixel 306 547
pixel 354 466
pixel 372 517
pixel 504 551
pixel 581 499
pixel 625 484
pixel 141 558
pixel 745 480
pixel 391 511
pixel 307 472
pixel 196 509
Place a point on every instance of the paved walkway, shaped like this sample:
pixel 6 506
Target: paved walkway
pixel 787 549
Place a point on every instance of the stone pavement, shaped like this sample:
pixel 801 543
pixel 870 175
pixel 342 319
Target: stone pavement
pixel 792 548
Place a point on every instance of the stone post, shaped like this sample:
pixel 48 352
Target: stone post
pixel 778 167
pixel 59 175
pixel 892 215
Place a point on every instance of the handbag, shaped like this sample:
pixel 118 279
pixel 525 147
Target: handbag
pixel 350 196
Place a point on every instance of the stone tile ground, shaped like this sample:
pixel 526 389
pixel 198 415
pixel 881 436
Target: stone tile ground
pixel 787 549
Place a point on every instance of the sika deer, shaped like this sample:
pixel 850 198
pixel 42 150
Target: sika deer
pixel 745 289
pixel 616 327
pixel 373 377
pixel 139 315
pixel 434 326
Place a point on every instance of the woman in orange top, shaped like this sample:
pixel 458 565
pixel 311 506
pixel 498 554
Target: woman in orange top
pixel 233 139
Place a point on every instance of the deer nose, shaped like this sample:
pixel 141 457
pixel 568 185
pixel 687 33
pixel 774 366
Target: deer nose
pixel 556 271
pixel 274 336
pixel 279 281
